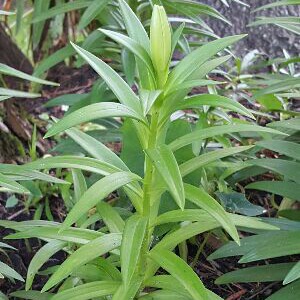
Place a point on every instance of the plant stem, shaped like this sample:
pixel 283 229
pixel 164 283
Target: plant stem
pixel 148 164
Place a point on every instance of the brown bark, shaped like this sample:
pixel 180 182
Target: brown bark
pixel 11 55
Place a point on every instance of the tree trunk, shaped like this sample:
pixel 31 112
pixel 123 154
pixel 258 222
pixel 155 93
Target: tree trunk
pixel 15 127
pixel 11 55
pixel 269 39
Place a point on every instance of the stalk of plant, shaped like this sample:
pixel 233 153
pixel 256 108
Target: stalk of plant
pixel 133 250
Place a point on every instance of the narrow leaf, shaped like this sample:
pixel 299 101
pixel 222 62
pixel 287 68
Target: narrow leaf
pixel 166 164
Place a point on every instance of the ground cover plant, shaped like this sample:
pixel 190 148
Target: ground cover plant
pixel 186 159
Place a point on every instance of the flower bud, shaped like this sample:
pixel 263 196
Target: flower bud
pixel 160 42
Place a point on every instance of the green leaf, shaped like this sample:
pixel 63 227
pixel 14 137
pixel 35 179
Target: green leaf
pixel 119 87
pixel 278 87
pixel 195 59
pixel 199 197
pixel 170 241
pixel 6 70
pixel 61 9
pixel 110 217
pixel 200 215
pixel 290 292
pixel 74 235
pixel 293 274
pixel 9 272
pixel 238 203
pixel 94 9
pixel 17 94
pixel 284 147
pixel 179 269
pixel 278 245
pixel 194 83
pixel 164 295
pixel 278 3
pixel 12 185
pixel 87 291
pixel 293 123
pixel 267 273
pixel 166 164
pixel 53 59
pixel 18 170
pixel 133 26
pixel 148 99
pixel 40 6
pixel 132 241
pixel 167 282
pixel 204 159
pixel 215 101
pixel 215 131
pixel 133 46
pixel 79 183
pixel 97 192
pixel 283 188
pixel 83 255
pixel 96 149
pixel 41 257
pixel 127 292
pixel 289 169
pixel 32 295
pixel 75 162
pixel 92 112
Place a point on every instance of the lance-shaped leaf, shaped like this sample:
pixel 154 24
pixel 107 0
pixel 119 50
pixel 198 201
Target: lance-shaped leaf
pixel 73 235
pixel 12 185
pixel 283 147
pixel 91 13
pixel 61 9
pixel 217 130
pixel 41 257
pixel 283 188
pixel 93 112
pixel 119 87
pixel 166 164
pixel 83 255
pixel 200 215
pixel 6 70
pixel 195 59
pixel 214 101
pixel 131 45
pixel 282 243
pixel 132 241
pixel 74 162
pixel 179 269
pixel 91 290
pixel 32 295
pixel 133 26
pixel 267 273
pixel 199 197
pixel 110 217
pixel 7 271
pixel 289 169
pixel 97 192
pixel 204 159
pixel 17 94
pixel 96 149
pixel 293 274
pixel 278 3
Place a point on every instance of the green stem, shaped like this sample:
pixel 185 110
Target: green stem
pixel 148 164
